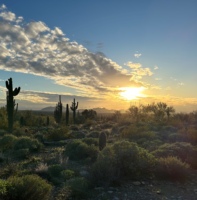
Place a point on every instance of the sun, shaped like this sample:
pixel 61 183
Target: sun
pixel 130 93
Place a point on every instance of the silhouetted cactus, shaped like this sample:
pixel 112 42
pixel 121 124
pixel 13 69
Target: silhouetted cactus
pixel 58 111
pixel 47 121
pixel 74 108
pixel 67 114
pixel 11 103
pixel 102 140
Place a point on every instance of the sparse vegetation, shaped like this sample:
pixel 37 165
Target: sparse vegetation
pixel 149 142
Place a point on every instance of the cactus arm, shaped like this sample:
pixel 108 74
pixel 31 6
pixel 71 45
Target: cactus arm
pixel 7 85
pixel 16 91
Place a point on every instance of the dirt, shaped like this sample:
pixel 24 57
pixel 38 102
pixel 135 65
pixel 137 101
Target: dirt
pixel 151 190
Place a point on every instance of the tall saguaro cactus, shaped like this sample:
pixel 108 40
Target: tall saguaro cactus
pixel 11 102
pixel 67 114
pixel 58 111
pixel 74 108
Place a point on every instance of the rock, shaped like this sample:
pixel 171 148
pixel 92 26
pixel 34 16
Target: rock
pixel 110 192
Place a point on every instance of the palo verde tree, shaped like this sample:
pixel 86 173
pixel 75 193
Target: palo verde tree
pixel 58 111
pixel 11 103
pixel 74 108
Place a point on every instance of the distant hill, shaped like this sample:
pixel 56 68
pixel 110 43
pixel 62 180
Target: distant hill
pixel 98 110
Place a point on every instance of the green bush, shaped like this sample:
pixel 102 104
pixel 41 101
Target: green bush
pixel 67 174
pixel 27 143
pixel 171 168
pixel 78 150
pixel 58 134
pixel 3 188
pixel 93 134
pixel 122 160
pixel 91 141
pixel 55 170
pixel 30 187
pixel 7 142
pixel 79 187
pixel 183 150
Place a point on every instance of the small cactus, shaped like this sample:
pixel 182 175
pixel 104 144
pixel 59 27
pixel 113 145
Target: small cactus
pixel 11 103
pixel 102 140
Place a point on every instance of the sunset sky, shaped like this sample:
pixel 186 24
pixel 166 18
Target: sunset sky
pixel 104 53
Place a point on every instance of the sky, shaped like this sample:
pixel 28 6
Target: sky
pixel 103 53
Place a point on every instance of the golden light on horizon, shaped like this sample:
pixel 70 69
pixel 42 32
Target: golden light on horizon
pixel 130 93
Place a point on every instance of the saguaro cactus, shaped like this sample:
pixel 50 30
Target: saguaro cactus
pixel 74 108
pixel 102 140
pixel 11 102
pixel 67 114
pixel 58 111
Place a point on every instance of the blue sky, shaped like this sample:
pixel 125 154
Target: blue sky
pixel 92 50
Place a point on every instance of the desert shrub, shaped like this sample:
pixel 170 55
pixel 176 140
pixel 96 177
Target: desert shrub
pixel 67 174
pixel 77 134
pixel 39 136
pixel 150 145
pixel 58 134
pixel 21 153
pixel 30 187
pixel 171 168
pixel 3 188
pixel 7 142
pixel 122 160
pixel 93 134
pixel 192 135
pixel 91 141
pixel 78 150
pixel 79 187
pixel 183 150
pixel 27 143
pixel 63 193
pixel 19 132
pixel 55 170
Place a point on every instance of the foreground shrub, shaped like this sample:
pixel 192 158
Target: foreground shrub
pixel 67 174
pixel 58 134
pixel 122 160
pixel 7 142
pixel 91 141
pixel 3 188
pixel 183 150
pixel 172 168
pixel 30 187
pixel 27 143
pixel 79 187
pixel 78 150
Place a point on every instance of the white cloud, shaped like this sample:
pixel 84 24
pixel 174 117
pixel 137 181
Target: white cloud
pixel 9 16
pixel 156 67
pixel 138 71
pixel 35 48
pixel 133 65
pixel 137 55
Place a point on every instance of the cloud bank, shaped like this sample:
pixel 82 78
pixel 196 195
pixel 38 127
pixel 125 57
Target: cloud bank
pixel 36 49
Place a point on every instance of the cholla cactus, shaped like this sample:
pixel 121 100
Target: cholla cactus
pixel 11 103
pixel 74 108
pixel 102 140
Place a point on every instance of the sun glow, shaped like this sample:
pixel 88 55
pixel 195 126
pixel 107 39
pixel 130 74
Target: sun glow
pixel 130 93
